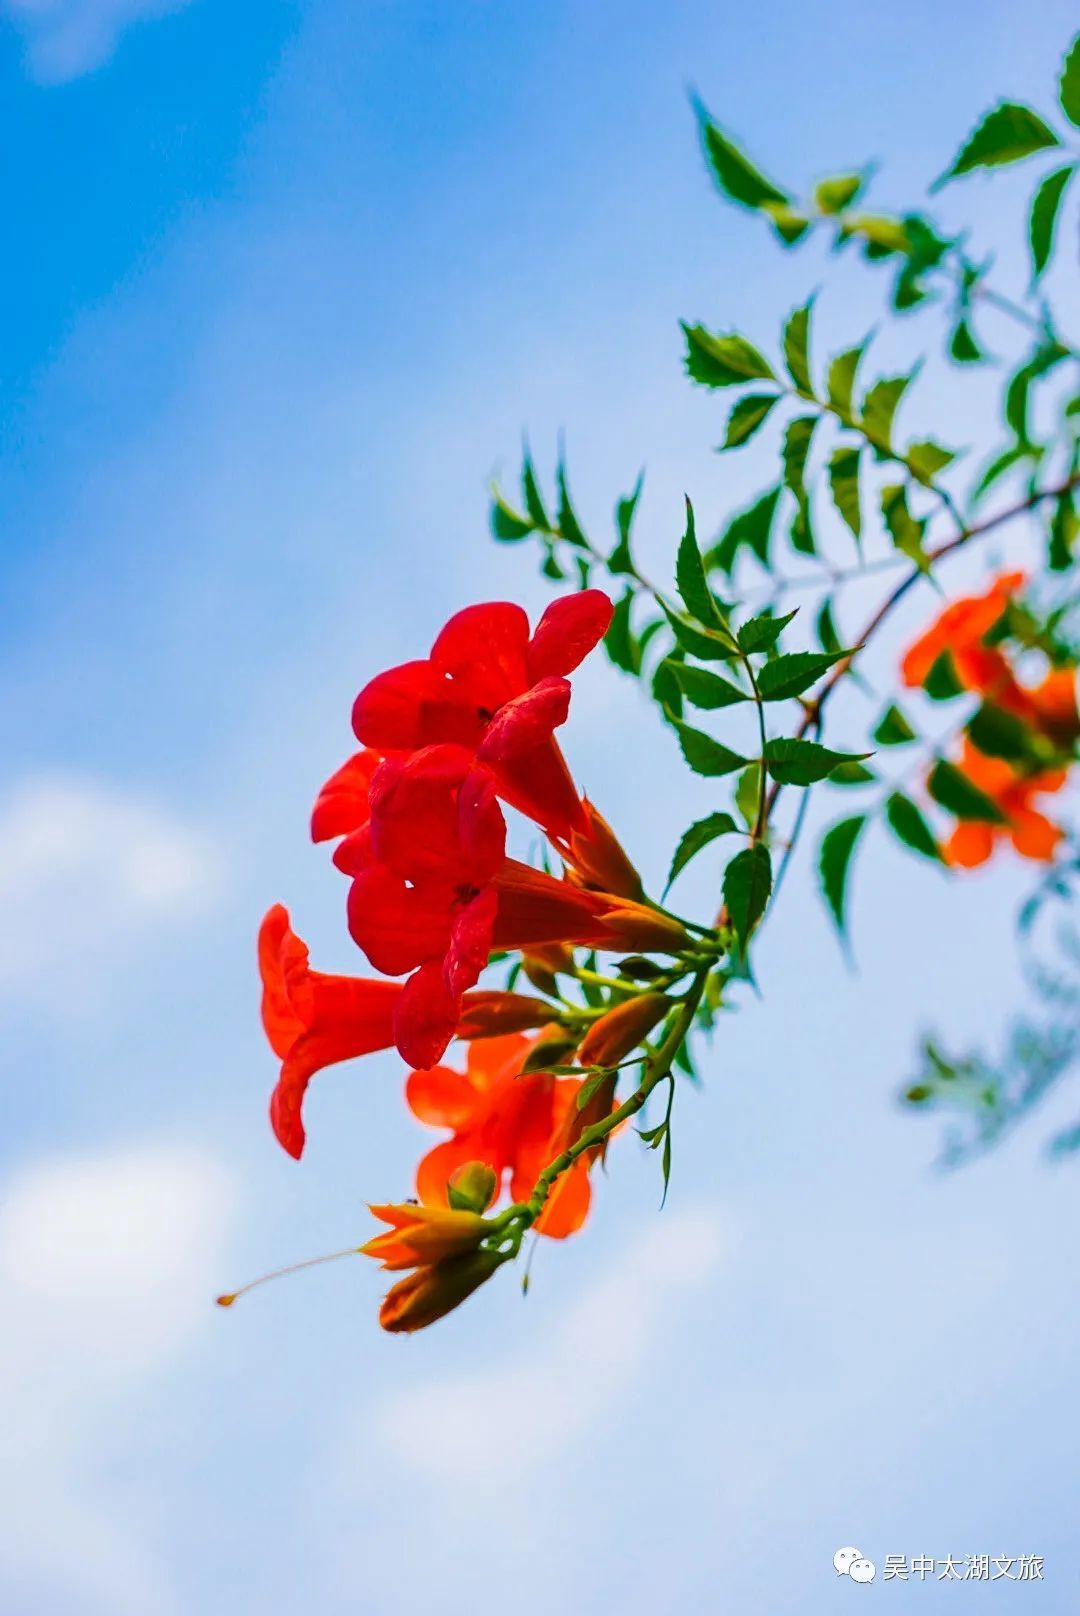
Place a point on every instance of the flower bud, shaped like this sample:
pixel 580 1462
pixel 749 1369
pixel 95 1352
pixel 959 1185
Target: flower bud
pixel 426 1295
pixel 424 1234
pixel 487 1013
pixel 553 1048
pixel 597 856
pixel 472 1188
pixel 644 929
pixel 621 1029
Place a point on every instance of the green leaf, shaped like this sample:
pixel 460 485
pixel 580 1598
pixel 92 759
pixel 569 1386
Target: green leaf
pixel 748 794
pixel 893 729
pixel 999 734
pixel 758 633
pixel 751 528
pixel 698 836
pixel 834 862
pixel 733 171
pixel 566 516
pixel 841 379
pixel 796 345
pixel 1007 134
pixel 704 755
pixel 963 347
pixel 833 195
pixel 788 676
pixel 723 360
pixel 747 885
pixel 620 560
pixel 706 647
pixel 666 692
pixel 844 486
pixel 880 406
pixel 619 642
pixel 802 530
pixel 828 638
pixel 926 458
pixel 851 774
pixel 507 524
pixel 1069 84
pixel 905 531
pixel 881 234
pixel 952 789
pixel 704 689
pixel 693 586
pixel 997 469
pixel 1064 526
pixel 941 683
pixel 909 826
pixel 802 763
pixel 534 500
pixel 748 415
pixel 1045 358
pixel 798 435
pixel 1045 207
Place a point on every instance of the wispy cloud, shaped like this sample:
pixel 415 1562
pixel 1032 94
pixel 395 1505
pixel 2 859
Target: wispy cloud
pixel 66 38
pixel 102 1265
pixel 542 1404
pixel 86 868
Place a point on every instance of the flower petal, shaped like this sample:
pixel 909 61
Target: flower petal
pixel 569 629
pixel 413 705
pixel 482 649
pixel 398 927
pixel 426 1016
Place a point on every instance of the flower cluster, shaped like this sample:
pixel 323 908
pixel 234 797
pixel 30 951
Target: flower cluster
pixel 417 814
pixel 1023 739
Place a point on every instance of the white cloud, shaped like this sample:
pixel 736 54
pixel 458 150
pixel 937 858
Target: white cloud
pixel 85 869
pixel 539 1406
pixel 103 1268
pixel 66 38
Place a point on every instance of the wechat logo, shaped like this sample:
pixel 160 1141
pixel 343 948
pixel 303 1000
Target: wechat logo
pixel 852 1563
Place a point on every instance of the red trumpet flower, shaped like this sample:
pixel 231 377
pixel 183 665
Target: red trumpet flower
pixel 313 1020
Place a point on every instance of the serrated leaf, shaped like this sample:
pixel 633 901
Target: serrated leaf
pixel 759 633
pixel 828 638
pixel 833 195
pixel 788 676
pixel 844 486
pixel 507 524
pixel 802 763
pixel 697 837
pixel 620 560
pixel 748 415
pixel 879 409
pixel 892 728
pixel 796 345
pixel 941 683
pixel 834 863
pixel 666 692
pixel 802 528
pixel 747 885
pixel 882 235
pixel 706 690
pixel 841 380
pixel 1007 134
pixel 926 458
pixel 530 493
pixel 905 532
pixel 851 774
pixel 963 347
pixel 723 359
pixel 704 755
pixel 909 826
pixel 798 435
pixel 1045 207
pixel 566 516
pixel 1069 84
pixel 619 642
pixel 693 586
pixel 733 171
pixel 951 789
pixel 751 529
pixel 706 647
pixel 748 794
pixel 999 734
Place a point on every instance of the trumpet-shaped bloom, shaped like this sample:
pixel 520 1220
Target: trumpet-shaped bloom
pixel 491 687
pixel 423 1234
pixel 960 630
pixel 1031 833
pixel 313 1020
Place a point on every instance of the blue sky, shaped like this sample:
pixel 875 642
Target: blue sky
pixel 285 284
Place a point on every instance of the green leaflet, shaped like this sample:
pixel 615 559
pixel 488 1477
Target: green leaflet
pixel 796 346
pixel 704 755
pixel 893 729
pixel 879 409
pixel 801 763
pixel 748 415
pixel 844 486
pixel 706 690
pixel 1045 207
pixel 952 789
pixel 723 360
pixel 620 559
pixel 1007 134
pixel 909 826
pixel 834 863
pixel 747 885
pixel 697 837
pixel 790 675
pixel 1069 84
pixel 733 171
pixel 840 382
pixel 693 586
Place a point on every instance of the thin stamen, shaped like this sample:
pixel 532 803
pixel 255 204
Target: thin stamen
pixel 230 1297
